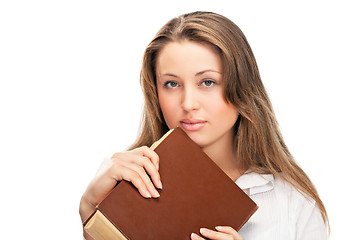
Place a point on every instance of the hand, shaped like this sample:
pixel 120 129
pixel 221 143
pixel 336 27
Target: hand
pixel 134 166
pixel 222 233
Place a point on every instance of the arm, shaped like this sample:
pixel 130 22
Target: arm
pixel 310 224
pixel 139 166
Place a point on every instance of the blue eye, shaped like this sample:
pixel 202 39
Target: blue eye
pixel 171 84
pixel 207 83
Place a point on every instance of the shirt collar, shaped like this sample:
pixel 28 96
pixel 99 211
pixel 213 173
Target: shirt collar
pixel 254 183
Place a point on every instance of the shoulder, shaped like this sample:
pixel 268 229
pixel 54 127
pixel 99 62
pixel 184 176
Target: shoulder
pixel 287 192
pixel 281 206
pixel 272 187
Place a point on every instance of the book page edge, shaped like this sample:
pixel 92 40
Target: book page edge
pixel 100 228
pixel 155 144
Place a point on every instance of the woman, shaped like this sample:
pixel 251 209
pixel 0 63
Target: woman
pixel 199 73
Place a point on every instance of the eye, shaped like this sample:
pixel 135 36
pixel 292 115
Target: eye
pixel 207 83
pixel 171 84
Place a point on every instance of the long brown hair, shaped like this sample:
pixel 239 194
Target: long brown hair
pixel 259 143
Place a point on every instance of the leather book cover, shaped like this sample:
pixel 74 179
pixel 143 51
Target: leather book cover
pixel 196 193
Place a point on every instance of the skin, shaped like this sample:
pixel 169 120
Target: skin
pixel 190 90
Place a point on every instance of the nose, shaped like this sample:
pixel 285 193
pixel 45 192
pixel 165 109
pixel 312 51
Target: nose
pixel 190 99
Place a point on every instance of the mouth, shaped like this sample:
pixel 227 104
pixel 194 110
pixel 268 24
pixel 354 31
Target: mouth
pixel 192 124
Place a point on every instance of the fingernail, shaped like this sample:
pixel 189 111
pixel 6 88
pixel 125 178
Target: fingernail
pixel 194 236
pixel 159 184
pixel 147 194
pixel 156 193
pixel 157 166
pixel 204 231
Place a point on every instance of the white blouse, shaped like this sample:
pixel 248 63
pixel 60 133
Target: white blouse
pixel 283 214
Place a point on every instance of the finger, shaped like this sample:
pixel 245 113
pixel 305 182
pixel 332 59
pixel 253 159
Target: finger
pixel 152 155
pixel 151 166
pixel 194 236
pixel 141 156
pixel 151 170
pixel 145 178
pixel 218 235
pixel 133 177
pixel 229 230
pixel 213 234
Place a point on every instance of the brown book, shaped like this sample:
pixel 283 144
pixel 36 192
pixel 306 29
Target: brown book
pixel 196 193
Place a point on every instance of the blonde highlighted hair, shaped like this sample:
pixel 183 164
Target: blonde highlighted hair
pixel 259 143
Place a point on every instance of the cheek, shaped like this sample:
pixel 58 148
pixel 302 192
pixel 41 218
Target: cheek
pixel 221 111
pixel 168 108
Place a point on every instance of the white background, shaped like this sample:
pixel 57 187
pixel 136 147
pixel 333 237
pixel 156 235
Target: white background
pixel 69 96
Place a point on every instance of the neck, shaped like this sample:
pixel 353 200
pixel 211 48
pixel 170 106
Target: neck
pixel 224 155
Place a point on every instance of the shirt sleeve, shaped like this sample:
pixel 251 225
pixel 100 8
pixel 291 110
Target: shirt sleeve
pixel 310 224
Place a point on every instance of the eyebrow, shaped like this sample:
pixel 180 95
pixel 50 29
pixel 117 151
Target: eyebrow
pixel 197 74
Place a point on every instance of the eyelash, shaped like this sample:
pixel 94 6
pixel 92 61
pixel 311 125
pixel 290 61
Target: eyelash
pixel 212 82
pixel 167 84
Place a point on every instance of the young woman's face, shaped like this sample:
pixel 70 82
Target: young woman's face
pixel 190 90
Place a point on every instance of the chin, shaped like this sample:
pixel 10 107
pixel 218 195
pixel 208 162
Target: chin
pixel 198 139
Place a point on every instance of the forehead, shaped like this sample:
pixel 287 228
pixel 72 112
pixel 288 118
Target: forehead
pixel 190 56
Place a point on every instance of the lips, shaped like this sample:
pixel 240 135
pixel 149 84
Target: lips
pixel 192 124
